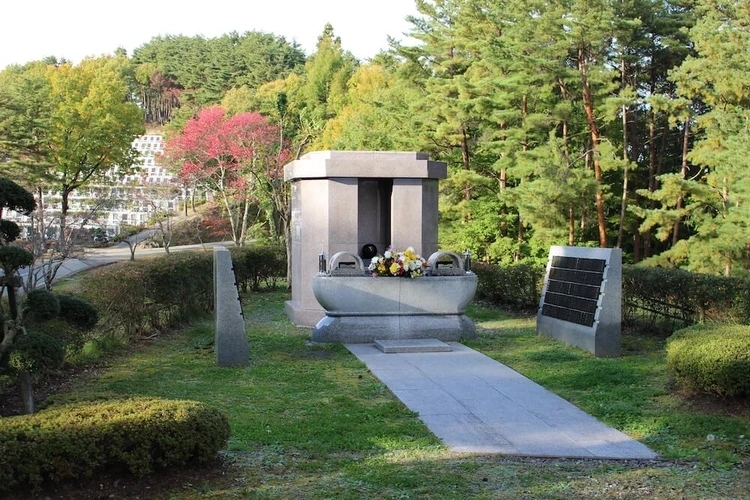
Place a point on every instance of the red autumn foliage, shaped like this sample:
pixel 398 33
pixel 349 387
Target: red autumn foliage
pixel 237 157
pixel 221 151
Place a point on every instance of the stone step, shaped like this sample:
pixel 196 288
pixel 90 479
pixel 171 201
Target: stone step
pixel 412 345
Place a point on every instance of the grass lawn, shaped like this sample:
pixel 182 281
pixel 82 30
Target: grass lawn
pixel 312 422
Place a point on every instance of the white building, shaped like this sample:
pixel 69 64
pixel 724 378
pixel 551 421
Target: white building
pixel 152 188
pixel 131 200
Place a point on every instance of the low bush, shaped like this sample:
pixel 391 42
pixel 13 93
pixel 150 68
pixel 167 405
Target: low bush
pixel 42 304
pixel 664 297
pixel 712 359
pixel 259 265
pixel 79 312
pixel 144 295
pixel 37 353
pixel 514 285
pixel 77 440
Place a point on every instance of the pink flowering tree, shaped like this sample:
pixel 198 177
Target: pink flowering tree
pixel 239 159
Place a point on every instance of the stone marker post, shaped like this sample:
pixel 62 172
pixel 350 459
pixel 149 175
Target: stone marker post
pixel 230 338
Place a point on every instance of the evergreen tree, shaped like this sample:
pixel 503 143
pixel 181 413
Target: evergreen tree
pixel 717 193
pixel 324 89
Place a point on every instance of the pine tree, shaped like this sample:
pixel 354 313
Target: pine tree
pixel 717 194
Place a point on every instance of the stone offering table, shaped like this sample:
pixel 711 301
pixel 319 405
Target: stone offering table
pixel 360 308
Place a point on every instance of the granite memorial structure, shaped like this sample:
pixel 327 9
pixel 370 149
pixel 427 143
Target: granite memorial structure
pixel 345 200
pixel 348 206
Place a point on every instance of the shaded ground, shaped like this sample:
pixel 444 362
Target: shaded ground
pixel 162 484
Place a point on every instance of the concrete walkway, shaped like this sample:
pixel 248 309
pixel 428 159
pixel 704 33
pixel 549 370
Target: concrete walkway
pixel 477 405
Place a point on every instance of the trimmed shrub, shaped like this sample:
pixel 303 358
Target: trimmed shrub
pixel 42 305
pixel 37 353
pixel 119 292
pixel 258 265
pixel 79 312
pixel 515 285
pixel 712 359
pixel 180 286
pixel 141 296
pixel 137 297
pixel 13 258
pixel 77 440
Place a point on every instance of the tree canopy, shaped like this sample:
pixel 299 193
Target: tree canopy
pixel 562 122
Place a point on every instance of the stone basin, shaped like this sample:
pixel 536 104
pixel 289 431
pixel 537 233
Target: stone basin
pixel 361 309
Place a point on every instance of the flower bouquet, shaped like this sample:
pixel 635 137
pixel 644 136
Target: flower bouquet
pixel 405 264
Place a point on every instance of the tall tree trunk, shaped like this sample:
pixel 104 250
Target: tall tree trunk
pixel 683 175
pixel 12 329
pixel 571 225
pixel 25 385
pixel 588 106
pixel 465 160
pixel 245 220
pixel 637 246
pixel 64 208
pixel 624 199
pixel 42 229
pixel 519 240
pixel 647 248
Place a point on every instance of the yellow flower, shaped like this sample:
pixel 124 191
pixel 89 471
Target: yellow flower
pixel 394 268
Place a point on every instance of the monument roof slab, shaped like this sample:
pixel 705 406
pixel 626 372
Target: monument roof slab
pixel 365 164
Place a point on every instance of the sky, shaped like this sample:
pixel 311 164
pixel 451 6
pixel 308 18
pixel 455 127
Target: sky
pixel 31 30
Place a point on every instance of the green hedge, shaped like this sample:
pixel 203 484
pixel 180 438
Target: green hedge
pixel 77 440
pixel 144 295
pixel 712 359
pixel 680 298
pixel 256 266
pixel 515 285
pixel 659 297
pixel 137 297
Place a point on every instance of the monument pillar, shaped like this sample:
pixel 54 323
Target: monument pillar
pixel 414 214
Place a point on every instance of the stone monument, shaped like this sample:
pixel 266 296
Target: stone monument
pixel 230 337
pixel 581 302
pixel 343 201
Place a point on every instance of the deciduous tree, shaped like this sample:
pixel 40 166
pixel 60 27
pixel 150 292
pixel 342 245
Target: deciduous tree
pixel 234 157
pixel 79 128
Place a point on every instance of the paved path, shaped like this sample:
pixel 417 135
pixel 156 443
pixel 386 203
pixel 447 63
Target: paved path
pixel 477 405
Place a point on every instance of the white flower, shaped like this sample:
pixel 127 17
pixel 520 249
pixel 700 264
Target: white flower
pixel 375 260
pixel 388 254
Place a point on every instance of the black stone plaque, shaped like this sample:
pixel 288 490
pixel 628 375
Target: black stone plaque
pixel 573 288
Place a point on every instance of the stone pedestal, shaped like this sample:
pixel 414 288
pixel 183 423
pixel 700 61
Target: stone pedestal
pixel 343 200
